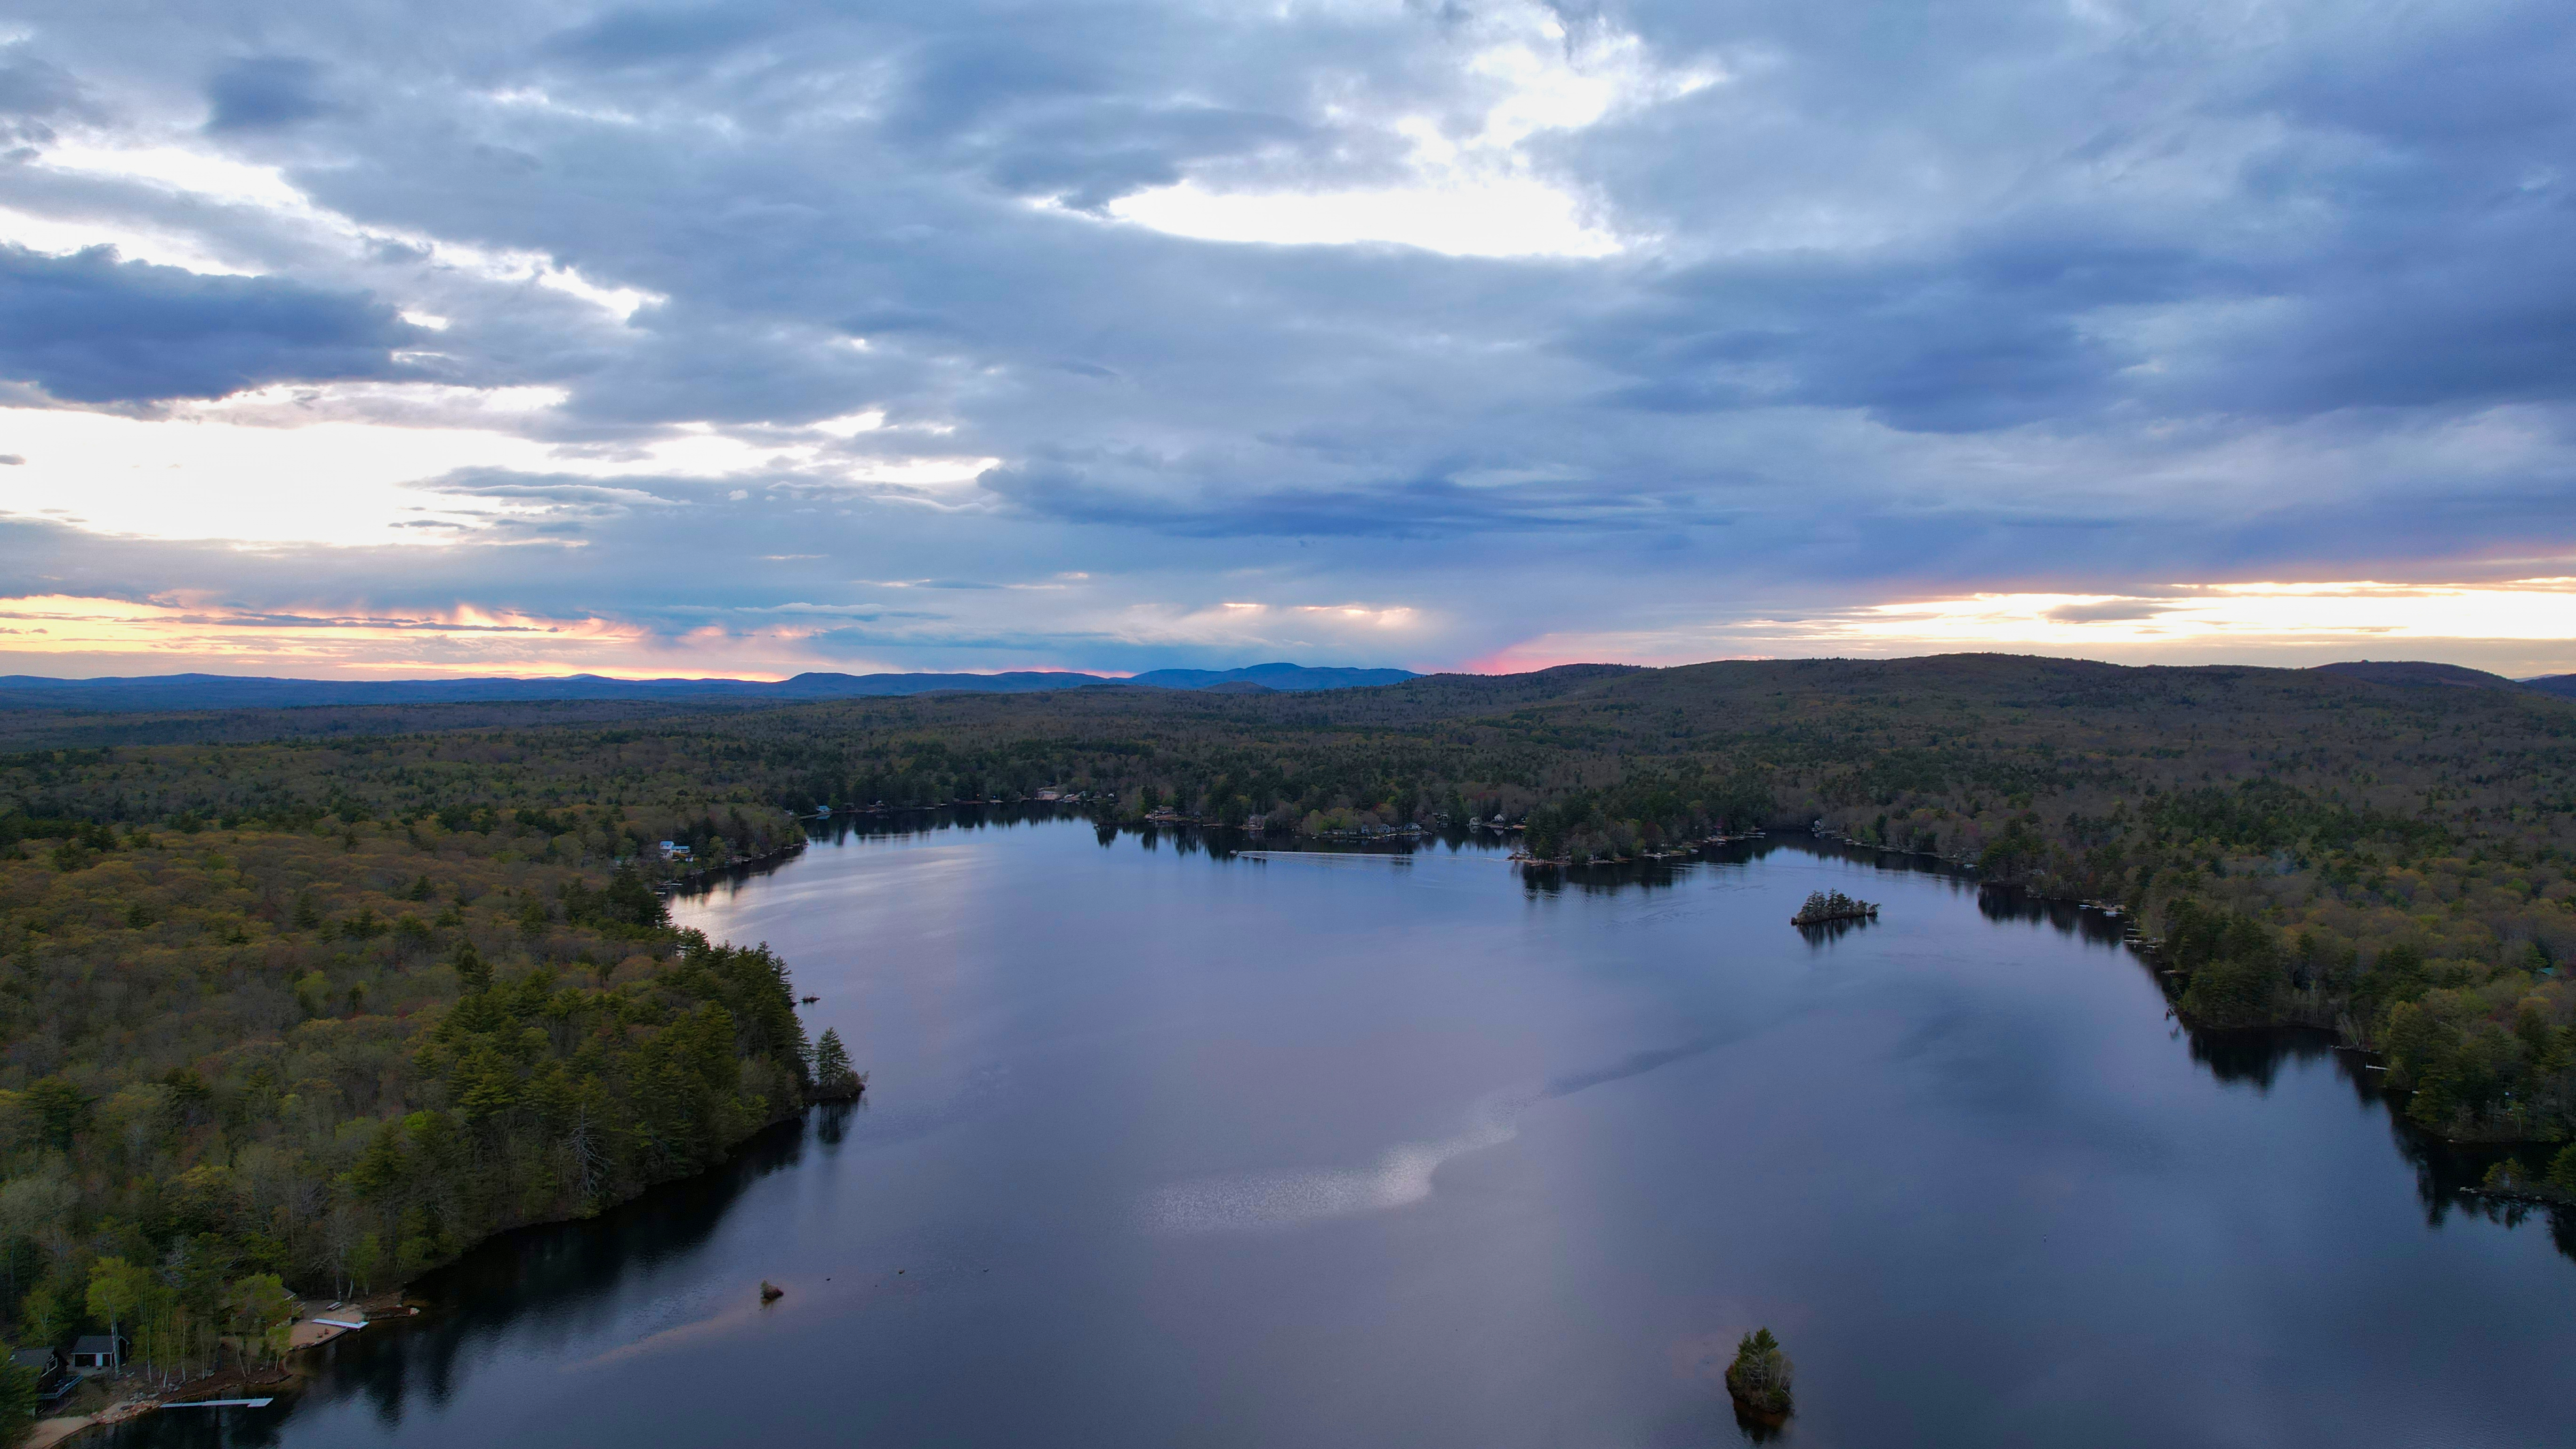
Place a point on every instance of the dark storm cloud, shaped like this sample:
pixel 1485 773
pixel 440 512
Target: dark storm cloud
pixel 1992 335
pixel 33 92
pixel 690 36
pixel 265 93
pixel 90 328
pixel 1418 508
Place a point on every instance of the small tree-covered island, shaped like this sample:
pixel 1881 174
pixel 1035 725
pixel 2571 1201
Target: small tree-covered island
pixel 1759 1379
pixel 1824 906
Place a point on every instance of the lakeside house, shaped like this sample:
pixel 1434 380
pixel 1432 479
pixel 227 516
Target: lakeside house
pixel 54 1376
pixel 98 1352
pixel 673 850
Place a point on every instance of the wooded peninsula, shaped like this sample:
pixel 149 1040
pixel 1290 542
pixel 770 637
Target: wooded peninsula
pixel 321 997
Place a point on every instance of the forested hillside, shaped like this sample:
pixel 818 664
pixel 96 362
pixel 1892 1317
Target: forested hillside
pixel 243 1027
pixel 333 1050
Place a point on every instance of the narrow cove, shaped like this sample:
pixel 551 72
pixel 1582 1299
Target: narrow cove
pixel 1170 1148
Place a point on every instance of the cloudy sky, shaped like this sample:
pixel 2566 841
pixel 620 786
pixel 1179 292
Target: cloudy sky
pixel 365 338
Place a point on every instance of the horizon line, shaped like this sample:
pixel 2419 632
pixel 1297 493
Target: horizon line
pixel 1113 677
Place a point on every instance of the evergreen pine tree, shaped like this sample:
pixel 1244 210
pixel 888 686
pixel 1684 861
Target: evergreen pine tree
pixel 17 1398
pixel 2562 1171
pixel 473 973
pixel 633 903
pixel 833 1077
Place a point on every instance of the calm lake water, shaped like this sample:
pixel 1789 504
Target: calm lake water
pixel 1164 1147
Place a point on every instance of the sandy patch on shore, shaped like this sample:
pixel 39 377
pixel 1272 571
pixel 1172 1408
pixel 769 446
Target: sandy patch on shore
pixel 308 1333
pixel 50 1432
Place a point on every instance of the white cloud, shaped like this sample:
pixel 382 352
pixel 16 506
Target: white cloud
pixel 205 177
pixel 2518 627
pixel 1468 189
pixel 1242 625
pixel 201 174
pixel 198 474
pixel 2354 612
pixel 64 235
pixel 1461 215
pixel 345 463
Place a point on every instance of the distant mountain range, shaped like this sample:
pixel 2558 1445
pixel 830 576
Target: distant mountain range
pixel 178 692
pixel 227 691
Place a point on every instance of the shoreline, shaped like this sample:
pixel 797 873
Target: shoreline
pixel 289 1374
pixel 277 1380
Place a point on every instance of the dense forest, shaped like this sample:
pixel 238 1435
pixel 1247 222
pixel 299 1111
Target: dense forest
pixel 326 1051
pixel 329 1003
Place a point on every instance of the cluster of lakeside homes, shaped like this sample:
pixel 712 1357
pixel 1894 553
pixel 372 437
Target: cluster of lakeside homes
pixel 1050 796
pixel 60 1375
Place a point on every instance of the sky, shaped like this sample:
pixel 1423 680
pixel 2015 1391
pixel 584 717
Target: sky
pixel 366 339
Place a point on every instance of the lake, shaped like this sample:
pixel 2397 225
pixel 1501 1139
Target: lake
pixel 1170 1146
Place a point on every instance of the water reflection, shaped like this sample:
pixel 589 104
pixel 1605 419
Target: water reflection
pixel 1217 842
pixel 1824 933
pixel 2254 1059
pixel 2446 1173
pixel 1755 1428
pixel 538 1288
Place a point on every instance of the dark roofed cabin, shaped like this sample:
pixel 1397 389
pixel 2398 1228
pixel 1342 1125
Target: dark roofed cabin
pixel 92 1352
pixel 54 1377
